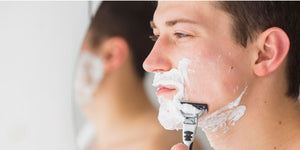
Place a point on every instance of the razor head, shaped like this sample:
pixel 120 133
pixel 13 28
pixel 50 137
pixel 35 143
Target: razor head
pixel 191 113
pixel 200 106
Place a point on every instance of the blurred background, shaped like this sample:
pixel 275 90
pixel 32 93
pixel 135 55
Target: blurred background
pixel 40 43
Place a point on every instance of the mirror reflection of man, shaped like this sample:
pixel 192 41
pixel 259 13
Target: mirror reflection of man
pixel 235 47
pixel 109 85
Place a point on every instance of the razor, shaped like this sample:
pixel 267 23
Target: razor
pixel 190 122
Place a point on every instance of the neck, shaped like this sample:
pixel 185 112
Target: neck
pixel 119 105
pixel 271 121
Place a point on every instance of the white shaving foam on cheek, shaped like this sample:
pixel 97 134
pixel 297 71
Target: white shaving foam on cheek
pixel 222 118
pixel 169 115
pixel 88 75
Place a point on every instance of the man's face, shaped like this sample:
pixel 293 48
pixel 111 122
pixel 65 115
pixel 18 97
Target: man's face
pixel 218 68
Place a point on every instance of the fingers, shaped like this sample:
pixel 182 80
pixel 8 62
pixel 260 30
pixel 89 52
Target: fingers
pixel 179 146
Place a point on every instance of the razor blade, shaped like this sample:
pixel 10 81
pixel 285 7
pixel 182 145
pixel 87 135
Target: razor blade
pixel 190 122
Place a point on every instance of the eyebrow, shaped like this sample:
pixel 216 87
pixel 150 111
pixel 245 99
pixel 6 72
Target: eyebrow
pixel 173 22
pixel 176 21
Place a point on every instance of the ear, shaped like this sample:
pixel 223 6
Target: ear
pixel 114 51
pixel 273 46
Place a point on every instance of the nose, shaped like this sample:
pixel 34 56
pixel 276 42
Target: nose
pixel 158 60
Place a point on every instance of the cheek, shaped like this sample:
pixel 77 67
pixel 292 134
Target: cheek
pixel 213 80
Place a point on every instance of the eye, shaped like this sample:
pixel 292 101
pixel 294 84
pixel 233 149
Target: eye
pixel 154 37
pixel 181 35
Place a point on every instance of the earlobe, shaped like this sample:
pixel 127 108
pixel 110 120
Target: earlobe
pixel 273 48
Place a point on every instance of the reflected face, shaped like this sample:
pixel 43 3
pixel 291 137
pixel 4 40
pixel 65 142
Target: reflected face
pixel 201 33
pixel 89 73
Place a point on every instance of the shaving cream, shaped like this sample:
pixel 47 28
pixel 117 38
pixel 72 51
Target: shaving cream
pixel 223 117
pixel 169 115
pixel 88 75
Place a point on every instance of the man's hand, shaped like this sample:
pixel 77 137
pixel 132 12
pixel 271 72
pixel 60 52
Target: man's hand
pixel 179 147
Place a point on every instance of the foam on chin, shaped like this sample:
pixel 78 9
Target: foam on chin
pixel 88 75
pixel 169 115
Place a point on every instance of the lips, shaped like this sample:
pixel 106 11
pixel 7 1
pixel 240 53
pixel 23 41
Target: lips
pixel 164 89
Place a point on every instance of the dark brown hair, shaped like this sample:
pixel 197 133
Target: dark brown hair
pixel 251 18
pixel 129 20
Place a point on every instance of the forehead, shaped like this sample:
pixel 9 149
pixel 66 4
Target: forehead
pixel 197 11
pixel 184 5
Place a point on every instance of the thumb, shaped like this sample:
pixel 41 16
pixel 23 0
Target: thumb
pixel 179 146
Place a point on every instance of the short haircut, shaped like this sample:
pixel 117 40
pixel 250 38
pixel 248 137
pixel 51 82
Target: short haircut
pixel 129 20
pixel 251 18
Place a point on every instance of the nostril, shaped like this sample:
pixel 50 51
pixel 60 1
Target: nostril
pixel 151 66
pixel 159 70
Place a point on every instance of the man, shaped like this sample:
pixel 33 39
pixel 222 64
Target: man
pixel 242 59
pixel 109 85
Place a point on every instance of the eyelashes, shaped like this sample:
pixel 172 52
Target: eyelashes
pixel 181 35
pixel 177 35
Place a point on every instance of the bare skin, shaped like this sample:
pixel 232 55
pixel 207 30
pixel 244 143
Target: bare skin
pixel 121 111
pixel 202 33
